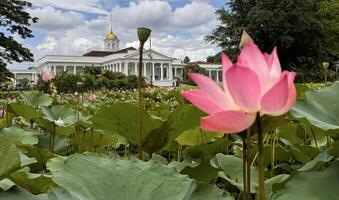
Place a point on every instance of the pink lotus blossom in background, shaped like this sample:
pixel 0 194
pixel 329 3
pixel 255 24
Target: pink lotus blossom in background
pixel 149 89
pixel 12 100
pixel 92 97
pixel 253 84
pixel 2 113
pixel 46 76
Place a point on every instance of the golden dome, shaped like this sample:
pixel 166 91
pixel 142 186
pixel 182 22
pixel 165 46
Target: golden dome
pixel 111 36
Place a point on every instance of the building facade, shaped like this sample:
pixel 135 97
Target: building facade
pixel 158 69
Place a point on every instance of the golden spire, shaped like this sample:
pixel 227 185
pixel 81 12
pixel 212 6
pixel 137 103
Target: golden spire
pixel 111 35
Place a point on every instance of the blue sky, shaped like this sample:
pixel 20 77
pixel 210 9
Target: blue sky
pixel 70 27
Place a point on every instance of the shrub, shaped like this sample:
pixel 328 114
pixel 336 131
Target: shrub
pixel 192 68
pixel 67 83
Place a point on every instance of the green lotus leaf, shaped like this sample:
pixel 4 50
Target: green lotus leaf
pixel 105 178
pixel 231 167
pixel 311 185
pixel 27 111
pixel 122 119
pixel 61 115
pixel 321 107
pixel 36 99
pixel 22 136
pixel 197 136
pixel 10 158
pixel 17 193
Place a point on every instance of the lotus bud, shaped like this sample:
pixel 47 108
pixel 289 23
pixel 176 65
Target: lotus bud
pixel 245 38
pixel 143 34
pixel 326 65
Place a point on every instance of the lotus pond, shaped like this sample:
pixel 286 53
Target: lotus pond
pixel 70 147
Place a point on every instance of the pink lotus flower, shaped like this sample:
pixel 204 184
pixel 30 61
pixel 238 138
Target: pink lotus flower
pixel 12 100
pixel 253 84
pixel 92 97
pixel 46 76
pixel 2 113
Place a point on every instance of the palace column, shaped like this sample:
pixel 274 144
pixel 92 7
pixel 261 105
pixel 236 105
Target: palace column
pixel 161 71
pixel 74 69
pixel 218 76
pixel 175 72
pixel 170 71
pixel 144 67
pixel 136 68
pixel 119 67
pixel 54 69
pixel 65 68
pixel 209 73
pixel 153 72
pixel 126 68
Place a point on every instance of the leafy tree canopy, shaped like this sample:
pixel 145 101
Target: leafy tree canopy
pixel 305 32
pixel 187 60
pixel 14 20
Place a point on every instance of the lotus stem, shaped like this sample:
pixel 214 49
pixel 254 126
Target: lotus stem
pixel 315 138
pixel 248 163
pixel 50 142
pixel 273 152
pixel 261 159
pixel 244 164
pixel 53 137
pixel 140 101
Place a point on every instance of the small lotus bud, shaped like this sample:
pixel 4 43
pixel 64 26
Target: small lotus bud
pixel 326 65
pixel 79 84
pixel 143 34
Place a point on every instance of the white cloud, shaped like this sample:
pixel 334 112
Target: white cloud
pixel 53 19
pixel 49 43
pixel 159 16
pixel 176 33
pixel 87 6
pixel 179 47
pixel 194 14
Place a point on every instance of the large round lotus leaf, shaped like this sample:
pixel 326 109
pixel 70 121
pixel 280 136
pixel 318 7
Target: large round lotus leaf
pixel 10 158
pixel 122 118
pixel 19 135
pixel 61 115
pixel 90 177
pixel 183 118
pixel 231 167
pixel 197 136
pixel 321 108
pixel 27 111
pixel 312 185
pixel 17 193
pixel 35 98
pixel 34 183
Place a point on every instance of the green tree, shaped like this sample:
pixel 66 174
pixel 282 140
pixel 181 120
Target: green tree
pixel 299 29
pixel 328 13
pixel 187 60
pixel 5 74
pixel 92 70
pixel 195 68
pixel 232 22
pixel 215 58
pixel 14 20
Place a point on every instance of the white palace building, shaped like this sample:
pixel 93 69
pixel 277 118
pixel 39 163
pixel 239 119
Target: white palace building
pixel 158 68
